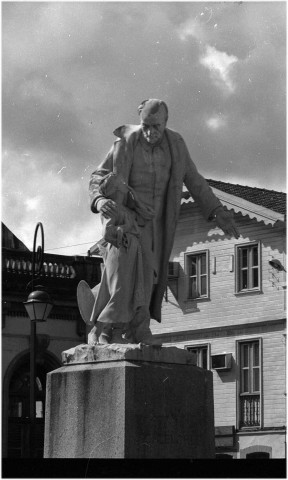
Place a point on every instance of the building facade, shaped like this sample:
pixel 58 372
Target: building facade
pixel 64 329
pixel 226 303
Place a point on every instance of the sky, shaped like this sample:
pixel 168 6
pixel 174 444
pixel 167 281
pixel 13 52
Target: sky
pixel 74 71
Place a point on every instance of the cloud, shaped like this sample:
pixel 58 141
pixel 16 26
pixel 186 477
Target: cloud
pixel 32 203
pixel 47 33
pixel 216 122
pixel 196 26
pixel 38 89
pixel 49 198
pixel 191 28
pixel 220 66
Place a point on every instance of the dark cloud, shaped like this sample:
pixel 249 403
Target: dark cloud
pixel 31 126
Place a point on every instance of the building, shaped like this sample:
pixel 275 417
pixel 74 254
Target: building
pixel 63 330
pixel 226 303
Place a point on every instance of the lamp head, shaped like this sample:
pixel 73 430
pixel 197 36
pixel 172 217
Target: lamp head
pixel 38 305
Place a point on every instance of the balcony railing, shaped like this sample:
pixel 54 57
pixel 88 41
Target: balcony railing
pixel 22 266
pixel 249 411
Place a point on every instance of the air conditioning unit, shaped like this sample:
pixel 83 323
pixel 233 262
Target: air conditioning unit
pixel 173 270
pixel 223 361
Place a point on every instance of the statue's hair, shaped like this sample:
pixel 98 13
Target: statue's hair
pixel 158 104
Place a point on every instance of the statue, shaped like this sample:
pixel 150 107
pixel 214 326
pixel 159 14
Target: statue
pixel 137 192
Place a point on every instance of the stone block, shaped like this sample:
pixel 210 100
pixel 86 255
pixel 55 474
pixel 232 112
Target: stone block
pixel 129 401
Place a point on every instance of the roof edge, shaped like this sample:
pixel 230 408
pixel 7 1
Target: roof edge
pixel 239 205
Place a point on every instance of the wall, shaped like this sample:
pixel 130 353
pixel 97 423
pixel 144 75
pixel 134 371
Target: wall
pixel 224 306
pixel 273 443
pixel 274 358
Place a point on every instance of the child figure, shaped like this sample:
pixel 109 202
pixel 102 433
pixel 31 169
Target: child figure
pixel 103 305
pixel 115 228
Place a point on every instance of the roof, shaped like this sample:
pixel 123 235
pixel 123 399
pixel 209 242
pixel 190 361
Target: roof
pixel 270 199
pixel 9 240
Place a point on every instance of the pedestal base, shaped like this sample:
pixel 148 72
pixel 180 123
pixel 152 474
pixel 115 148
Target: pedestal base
pixel 133 402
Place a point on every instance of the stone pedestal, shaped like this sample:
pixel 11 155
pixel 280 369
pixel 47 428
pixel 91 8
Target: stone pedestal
pixel 129 401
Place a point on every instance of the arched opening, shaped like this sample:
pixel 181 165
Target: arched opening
pixel 17 411
pixel 256 451
pixel 258 455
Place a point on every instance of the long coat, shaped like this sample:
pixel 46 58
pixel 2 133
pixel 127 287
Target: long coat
pixel 183 170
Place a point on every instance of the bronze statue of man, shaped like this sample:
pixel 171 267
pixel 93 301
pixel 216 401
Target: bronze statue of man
pixel 154 162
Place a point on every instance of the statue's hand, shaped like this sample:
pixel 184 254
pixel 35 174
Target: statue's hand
pixel 107 207
pixel 225 221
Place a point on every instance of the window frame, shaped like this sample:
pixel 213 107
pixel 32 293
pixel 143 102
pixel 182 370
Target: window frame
pixel 239 392
pixel 187 276
pixel 201 346
pixel 249 246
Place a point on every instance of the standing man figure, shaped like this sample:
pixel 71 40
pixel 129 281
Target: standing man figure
pixel 155 162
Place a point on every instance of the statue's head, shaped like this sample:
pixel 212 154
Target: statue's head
pixel 153 117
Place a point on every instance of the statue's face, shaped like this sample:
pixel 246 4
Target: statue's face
pixel 153 125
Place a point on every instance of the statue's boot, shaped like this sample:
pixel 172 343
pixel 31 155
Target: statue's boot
pixel 86 299
pixel 117 332
pixel 92 337
pixel 105 336
pixel 101 334
pixel 129 334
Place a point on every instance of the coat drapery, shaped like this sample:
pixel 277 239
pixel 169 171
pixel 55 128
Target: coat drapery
pixel 183 170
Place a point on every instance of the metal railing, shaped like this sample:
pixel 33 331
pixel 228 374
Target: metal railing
pixel 250 411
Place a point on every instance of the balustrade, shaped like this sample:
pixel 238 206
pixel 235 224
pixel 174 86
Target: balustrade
pixel 23 266
pixel 250 411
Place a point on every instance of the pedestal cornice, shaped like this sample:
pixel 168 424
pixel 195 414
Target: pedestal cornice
pixel 118 352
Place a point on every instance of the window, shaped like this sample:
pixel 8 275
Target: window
pixel 248 267
pixel 196 267
pixel 250 384
pixel 201 356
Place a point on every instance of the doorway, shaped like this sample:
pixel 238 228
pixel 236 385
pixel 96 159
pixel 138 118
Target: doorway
pixel 18 425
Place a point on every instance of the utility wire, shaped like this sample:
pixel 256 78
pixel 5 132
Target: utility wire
pixel 67 246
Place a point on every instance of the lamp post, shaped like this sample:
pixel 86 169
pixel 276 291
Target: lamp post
pixel 38 307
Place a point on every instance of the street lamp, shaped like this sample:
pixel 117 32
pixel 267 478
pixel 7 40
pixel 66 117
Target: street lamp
pixel 38 307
